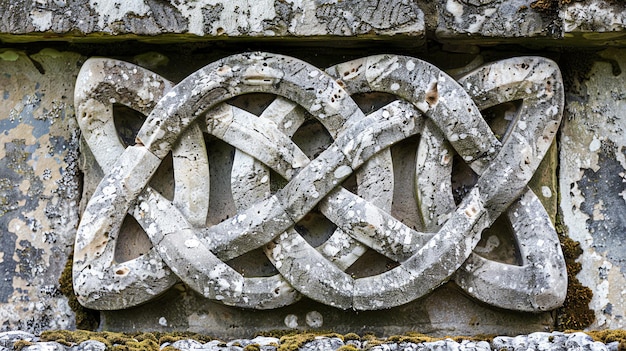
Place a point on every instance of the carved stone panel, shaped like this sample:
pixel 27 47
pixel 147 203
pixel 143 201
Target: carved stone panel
pixel 262 182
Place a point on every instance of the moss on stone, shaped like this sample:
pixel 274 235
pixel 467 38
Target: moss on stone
pixel 348 347
pixel 575 312
pixel 181 335
pixel 252 347
pixel 294 340
pixel 351 336
pixel 86 319
pixel 548 5
pixel 151 341
pixel 412 337
pixel 147 341
pixel 609 336
pixel 20 344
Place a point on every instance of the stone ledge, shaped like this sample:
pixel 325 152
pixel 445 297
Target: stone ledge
pixel 101 341
pixel 488 22
pixel 96 20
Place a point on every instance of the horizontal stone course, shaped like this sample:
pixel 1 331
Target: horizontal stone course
pixel 594 22
pixel 535 341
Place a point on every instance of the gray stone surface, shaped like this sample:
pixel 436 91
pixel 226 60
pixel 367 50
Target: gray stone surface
pixel 7 339
pixel 494 20
pixel 90 345
pixel 595 22
pixel 190 20
pixel 464 22
pixel 593 186
pixel 39 186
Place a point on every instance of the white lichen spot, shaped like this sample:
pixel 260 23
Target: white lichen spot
pixel 163 321
pixel 192 243
pixel 546 192
pixel 595 145
pixel 410 65
pixel 456 9
pixel 331 250
pixel 314 319
pixel 115 10
pixel 342 171
pixel 41 20
pixel 395 86
pixel 291 321
pixel 109 190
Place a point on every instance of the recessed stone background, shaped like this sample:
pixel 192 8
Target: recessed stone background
pixel 40 186
pixel 592 180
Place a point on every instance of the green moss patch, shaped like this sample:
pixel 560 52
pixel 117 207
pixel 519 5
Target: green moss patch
pixel 151 341
pixel 85 318
pixel 122 341
pixel 609 336
pixel 575 312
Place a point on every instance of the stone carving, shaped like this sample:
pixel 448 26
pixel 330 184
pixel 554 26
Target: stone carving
pixel 446 114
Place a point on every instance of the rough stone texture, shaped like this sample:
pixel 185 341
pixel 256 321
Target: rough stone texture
pixel 45 19
pixel 593 183
pixel 495 20
pixel 39 186
pixel 595 22
pixel 187 247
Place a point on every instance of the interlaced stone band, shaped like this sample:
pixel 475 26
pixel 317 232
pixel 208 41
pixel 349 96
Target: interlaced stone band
pixel 445 112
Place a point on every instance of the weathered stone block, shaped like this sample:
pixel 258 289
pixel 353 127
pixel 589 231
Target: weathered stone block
pixel 191 20
pixel 494 21
pixel 39 186
pixel 593 182
pixel 595 22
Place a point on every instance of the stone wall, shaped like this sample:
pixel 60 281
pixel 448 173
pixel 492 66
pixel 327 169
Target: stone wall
pixel 65 129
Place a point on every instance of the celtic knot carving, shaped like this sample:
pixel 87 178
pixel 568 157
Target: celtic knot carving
pixel 446 113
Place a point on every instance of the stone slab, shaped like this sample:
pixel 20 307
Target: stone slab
pixel 494 20
pixel 592 180
pixel 193 20
pixel 39 186
pixel 592 22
